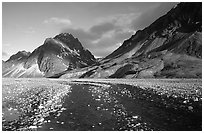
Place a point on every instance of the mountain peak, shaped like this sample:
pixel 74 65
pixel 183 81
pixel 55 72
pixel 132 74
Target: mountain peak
pixel 19 55
pixel 69 40
pixel 58 54
pixel 23 52
pixel 64 36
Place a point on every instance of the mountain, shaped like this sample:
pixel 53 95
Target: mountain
pixel 171 47
pixel 19 56
pixel 56 55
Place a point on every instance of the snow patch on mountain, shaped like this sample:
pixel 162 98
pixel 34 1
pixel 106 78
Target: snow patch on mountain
pixel 33 70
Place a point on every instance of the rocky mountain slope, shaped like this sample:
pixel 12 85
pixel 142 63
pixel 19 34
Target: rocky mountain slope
pixel 171 47
pixel 56 55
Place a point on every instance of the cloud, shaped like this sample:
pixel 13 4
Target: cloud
pixel 113 30
pixel 104 46
pixel 102 28
pixel 108 32
pixel 100 45
pixel 148 17
pixel 56 20
pixel 106 35
pixel 120 21
pixel 124 33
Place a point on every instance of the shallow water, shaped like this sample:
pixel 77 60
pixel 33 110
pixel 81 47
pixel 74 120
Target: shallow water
pixel 105 107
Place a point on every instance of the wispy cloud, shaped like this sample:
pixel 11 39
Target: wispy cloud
pixel 120 20
pixel 56 20
pixel 108 33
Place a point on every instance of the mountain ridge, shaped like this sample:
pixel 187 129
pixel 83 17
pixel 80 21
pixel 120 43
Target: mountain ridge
pixel 170 47
pixel 58 54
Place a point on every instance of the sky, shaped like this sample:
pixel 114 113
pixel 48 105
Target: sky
pixel 101 27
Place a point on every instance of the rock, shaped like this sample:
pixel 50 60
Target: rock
pixel 190 108
pixel 33 127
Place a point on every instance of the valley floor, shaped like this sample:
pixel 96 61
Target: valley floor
pixel 101 104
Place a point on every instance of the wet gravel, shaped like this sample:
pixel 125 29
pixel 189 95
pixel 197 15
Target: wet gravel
pixel 75 105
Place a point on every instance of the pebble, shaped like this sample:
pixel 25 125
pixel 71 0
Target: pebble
pixel 10 109
pixel 63 109
pixel 41 120
pixel 33 127
pixel 135 117
pixel 190 108
pixel 41 107
pixel 185 102
pixel 102 94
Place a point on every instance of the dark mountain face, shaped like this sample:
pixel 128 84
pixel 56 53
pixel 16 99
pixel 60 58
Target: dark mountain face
pixel 178 24
pixel 58 54
pixel 171 47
